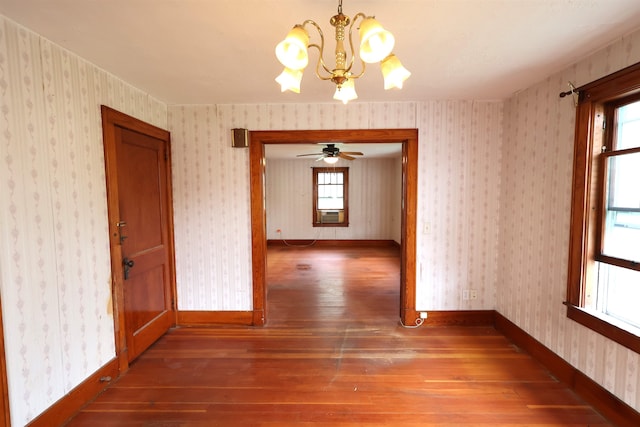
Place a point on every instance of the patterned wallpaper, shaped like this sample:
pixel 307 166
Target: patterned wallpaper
pixel 459 176
pixel 211 181
pixel 375 187
pixel 54 250
pixel 493 197
pixel 535 213
pixel 459 188
pixel 211 212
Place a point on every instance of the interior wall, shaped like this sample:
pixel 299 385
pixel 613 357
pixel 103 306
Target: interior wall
pixel 458 203
pixel 373 203
pixel 458 191
pixel 55 273
pixel 535 211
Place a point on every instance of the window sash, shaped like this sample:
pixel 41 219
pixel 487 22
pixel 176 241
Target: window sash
pixel 622 185
pixel 627 131
pixel 618 293
pixel 619 215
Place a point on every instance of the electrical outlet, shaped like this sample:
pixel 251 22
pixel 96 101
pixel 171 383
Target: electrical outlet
pixel 423 314
pixel 427 228
pixel 465 294
pixel 473 294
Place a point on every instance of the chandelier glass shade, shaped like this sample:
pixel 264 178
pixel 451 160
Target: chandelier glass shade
pixel 393 72
pixel 290 80
pixel 376 45
pixel 346 91
pixel 376 42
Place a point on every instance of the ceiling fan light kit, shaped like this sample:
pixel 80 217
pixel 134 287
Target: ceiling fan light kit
pixel 376 45
pixel 331 160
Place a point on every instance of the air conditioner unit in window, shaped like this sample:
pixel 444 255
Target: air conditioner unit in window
pixel 330 217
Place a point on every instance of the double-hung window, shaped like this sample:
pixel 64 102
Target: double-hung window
pixel 618 255
pixel 330 197
pixel 603 288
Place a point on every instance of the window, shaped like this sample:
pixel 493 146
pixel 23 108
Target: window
pixel 330 197
pixel 604 255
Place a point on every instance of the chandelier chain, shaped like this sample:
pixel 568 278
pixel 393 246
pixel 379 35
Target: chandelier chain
pixel 339 6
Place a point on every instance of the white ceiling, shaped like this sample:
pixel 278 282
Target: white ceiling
pixel 222 51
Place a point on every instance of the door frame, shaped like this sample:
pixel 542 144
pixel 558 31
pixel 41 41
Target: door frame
pixel 5 419
pixel 110 120
pixel 409 140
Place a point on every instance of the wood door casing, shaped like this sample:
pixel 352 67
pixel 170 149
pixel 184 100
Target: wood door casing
pixel 409 140
pixel 137 161
pixel 5 415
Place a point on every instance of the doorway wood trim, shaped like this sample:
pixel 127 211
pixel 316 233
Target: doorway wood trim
pixel 409 140
pixel 110 120
pixel 5 420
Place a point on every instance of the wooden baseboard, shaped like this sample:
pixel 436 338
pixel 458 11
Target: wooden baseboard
pixel 435 318
pixel 611 407
pixel 460 318
pixel 343 243
pixel 206 318
pixel 76 399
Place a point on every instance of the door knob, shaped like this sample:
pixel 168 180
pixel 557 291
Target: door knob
pixel 127 263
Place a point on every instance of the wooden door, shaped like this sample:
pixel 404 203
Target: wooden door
pixel 139 191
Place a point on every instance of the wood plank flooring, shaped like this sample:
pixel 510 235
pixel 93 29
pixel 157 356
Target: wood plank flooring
pixel 333 353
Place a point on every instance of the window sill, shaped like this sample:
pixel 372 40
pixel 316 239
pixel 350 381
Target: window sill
pixel 611 328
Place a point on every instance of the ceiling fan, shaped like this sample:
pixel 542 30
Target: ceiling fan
pixel 333 153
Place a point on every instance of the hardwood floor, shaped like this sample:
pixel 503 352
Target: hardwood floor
pixel 333 353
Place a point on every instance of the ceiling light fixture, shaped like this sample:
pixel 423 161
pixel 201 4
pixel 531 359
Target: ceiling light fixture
pixel 376 45
pixel 331 160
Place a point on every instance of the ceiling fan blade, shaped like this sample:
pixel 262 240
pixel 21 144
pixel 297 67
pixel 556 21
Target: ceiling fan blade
pixel 344 156
pixel 353 153
pixel 312 154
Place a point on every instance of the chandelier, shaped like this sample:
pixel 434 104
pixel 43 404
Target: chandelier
pixel 376 45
